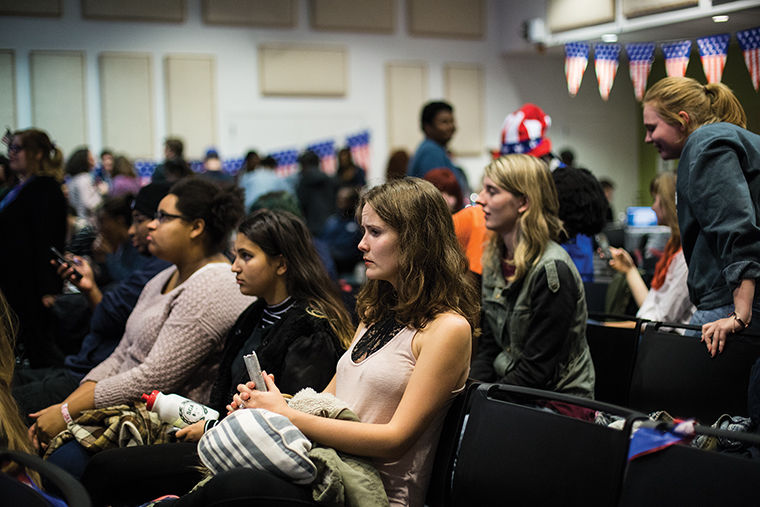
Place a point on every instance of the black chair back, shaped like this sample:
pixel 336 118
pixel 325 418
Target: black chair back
pixel 13 492
pixel 439 487
pixel 683 475
pixel 515 452
pixel 675 373
pixel 613 350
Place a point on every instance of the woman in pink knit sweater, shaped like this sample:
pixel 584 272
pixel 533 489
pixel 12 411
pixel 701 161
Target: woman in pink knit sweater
pixel 174 335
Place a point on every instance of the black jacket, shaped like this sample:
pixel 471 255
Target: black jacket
pixel 301 350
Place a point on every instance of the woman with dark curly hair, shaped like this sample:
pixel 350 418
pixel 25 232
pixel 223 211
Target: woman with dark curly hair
pixel 175 334
pixel 582 209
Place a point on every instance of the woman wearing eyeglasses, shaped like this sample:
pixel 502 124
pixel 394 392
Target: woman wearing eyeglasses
pixel 32 219
pixel 174 336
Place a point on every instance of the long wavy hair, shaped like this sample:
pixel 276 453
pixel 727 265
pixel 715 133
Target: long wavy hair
pixel 13 432
pixel 432 268
pixel 710 103
pixel 527 176
pixel 280 233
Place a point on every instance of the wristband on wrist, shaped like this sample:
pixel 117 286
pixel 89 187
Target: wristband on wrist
pixel 65 413
pixel 740 321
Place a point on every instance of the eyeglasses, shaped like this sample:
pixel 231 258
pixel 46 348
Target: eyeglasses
pixel 14 148
pixel 164 217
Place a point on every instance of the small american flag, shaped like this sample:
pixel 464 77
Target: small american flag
pixel 287 162
pixel 606 58
pixel 576 59
pixel 749 40
pixel 676 57
pixel 144 169
pixel 326 153
pixel 713 52
pixel 196 166
pixel 359 146
pixel 232 165
pixel 7 137
pixel 640 63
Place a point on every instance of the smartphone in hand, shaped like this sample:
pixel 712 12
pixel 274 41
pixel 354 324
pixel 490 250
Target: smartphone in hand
pixel 254 371
pixel 61 260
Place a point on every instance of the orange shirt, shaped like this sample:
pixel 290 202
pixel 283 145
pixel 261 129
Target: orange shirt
pixel 470 228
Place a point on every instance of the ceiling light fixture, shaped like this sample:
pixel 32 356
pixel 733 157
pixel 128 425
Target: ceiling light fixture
pixel 609 37
pixel 720 19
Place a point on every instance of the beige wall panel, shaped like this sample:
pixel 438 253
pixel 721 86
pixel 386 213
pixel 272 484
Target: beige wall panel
pixel 447 18
pixel 126 97
pixel 283 67
pixel 190 101
pixel 7 91
pixel 137 10
pixel 568 14
pixel 44 8
pixel 354 15
pixel 407 92
pixel 58 96
pixel 464 89
pixel 633 8
pixel 265 13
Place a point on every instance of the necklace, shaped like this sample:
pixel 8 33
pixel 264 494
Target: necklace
pixel 376 337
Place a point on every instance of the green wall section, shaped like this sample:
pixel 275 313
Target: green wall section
pixel 735 76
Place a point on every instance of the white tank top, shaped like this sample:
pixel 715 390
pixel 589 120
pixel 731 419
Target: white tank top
pixel 373 389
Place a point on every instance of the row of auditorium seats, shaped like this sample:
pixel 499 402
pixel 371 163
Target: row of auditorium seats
pixel 501 446
pixel 659 369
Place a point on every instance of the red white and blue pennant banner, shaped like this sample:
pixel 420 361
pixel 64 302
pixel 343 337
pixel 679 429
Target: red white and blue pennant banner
pixel 606 57
pixel 640 58
pixel 713 52
pixel 676 57
pixel 749 40
pixel 576 59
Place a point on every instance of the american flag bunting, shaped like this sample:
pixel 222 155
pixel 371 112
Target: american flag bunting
pixel 676 57
pixel 7 137
pixel 640 56
pixel 287 162
pixel 606 57
pixel 713 52
pixel 749 40
pixel 144 170
pixel 359 146
pixel 576 60
pixel 326 152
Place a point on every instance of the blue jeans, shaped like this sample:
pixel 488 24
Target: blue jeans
pixel 704 316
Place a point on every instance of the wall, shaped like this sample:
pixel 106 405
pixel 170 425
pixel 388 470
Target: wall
pixel 603 135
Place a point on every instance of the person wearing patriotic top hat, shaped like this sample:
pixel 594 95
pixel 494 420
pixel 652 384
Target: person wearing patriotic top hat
pixel 718 190
pixel 582 202
pixel 524 131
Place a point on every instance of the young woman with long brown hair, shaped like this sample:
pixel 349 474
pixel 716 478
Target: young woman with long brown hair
pixel 409 357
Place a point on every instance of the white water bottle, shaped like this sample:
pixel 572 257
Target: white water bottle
pixel 177 410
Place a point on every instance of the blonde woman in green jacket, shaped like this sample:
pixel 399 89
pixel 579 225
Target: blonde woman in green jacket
pixel 534 308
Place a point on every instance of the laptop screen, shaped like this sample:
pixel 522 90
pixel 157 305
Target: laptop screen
pixel 641 216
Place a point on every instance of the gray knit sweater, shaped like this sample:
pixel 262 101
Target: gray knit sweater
pixel 173 341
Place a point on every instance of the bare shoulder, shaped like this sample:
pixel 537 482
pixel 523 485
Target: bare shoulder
pixel 449 327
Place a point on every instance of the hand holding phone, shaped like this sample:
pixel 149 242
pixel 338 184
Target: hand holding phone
pixel 75 276
pixel 254 371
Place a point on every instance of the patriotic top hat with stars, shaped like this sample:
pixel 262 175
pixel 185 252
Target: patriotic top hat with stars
pixel 524 131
